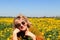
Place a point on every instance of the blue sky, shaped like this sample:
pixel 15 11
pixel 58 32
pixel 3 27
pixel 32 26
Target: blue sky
pixel 32 8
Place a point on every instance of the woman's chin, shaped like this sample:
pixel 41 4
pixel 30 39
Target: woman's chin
pixel 23 29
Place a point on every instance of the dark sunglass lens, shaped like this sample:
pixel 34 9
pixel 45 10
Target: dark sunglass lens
pixel 17 25
pixel 23 23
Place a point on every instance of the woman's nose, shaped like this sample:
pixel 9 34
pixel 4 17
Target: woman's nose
pixel 21 25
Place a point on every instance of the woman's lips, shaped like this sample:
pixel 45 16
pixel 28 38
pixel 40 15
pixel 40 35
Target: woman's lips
pixel 21 27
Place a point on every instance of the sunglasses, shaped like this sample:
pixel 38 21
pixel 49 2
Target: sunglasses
pixel 19 24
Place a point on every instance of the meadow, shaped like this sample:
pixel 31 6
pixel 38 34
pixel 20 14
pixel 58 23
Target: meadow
pixel 49 27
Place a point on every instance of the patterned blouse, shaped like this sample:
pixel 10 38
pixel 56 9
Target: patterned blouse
pixel 23 37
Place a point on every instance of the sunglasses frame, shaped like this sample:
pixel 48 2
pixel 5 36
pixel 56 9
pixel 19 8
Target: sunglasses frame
pixel 19 24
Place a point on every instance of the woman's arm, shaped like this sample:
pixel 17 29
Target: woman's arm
pixel 15 34
pixel 28 33
pixel 32 36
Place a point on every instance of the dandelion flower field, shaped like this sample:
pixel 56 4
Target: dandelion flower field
pixel 48 27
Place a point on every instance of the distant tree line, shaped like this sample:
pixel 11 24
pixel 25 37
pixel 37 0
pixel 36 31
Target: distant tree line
pixel 31 17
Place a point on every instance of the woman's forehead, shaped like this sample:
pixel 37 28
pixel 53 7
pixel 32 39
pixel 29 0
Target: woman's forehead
pixel 19 20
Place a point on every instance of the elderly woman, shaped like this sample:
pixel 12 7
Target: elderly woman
pixel 21 25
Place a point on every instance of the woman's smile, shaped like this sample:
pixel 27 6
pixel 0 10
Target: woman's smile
pixel 21 27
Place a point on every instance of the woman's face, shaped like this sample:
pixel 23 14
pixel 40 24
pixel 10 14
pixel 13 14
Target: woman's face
pixel 22 24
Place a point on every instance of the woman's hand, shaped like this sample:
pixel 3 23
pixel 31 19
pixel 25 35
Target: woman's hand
pixel 16 31
pixel 15 34
pixel 28 33
pixel 31 35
